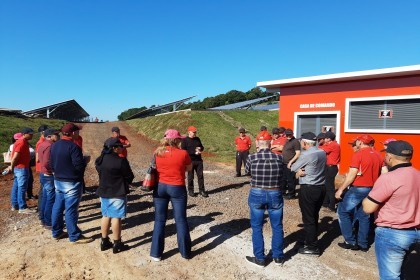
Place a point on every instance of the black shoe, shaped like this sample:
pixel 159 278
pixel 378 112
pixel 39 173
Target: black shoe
pixel 192 194
pixel 106 244
pixel 289 196
pixel 279 261
pixel 238 175
pixel 256 262
pixel 119 246
pixel 348 246
pixel 204 194
pixel 309 250
pixel 364 249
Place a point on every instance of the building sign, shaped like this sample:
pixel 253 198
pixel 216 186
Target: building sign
pixel 316 105
pixel 385 114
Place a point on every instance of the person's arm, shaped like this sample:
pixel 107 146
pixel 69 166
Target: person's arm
pixel 351 175
pixel 188 167
pixel 277 148
pixel 15 159
pixel 126 144
pixel 369 205
pixel 297 154
pixel 127 173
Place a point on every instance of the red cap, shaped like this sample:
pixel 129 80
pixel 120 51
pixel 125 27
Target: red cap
pixel 192 128
pixel 387 141
pixel 70 128
pixel 365 138
pixel 264 135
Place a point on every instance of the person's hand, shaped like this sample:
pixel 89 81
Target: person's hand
pixel 300 173
pixel 289 165
pixel 338 194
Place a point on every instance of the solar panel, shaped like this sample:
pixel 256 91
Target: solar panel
pixel 68 110
pixel 242 104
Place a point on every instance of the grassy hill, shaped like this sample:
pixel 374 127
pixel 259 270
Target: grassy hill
pixel 10 125
pixel 217 130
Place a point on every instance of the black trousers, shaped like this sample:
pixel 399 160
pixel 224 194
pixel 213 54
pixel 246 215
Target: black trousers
pixel 197 166
pixel 330 173
pixel 310 202
pixel 288 182
pixel 241 157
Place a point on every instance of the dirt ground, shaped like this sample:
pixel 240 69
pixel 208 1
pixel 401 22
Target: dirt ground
pixel 220 232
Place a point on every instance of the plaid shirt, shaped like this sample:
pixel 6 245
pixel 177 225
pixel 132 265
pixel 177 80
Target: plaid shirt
pixel 266 169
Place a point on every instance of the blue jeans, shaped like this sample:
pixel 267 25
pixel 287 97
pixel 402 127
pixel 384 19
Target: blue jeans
pixel 391 246
pixel 67 197
pixel 350 208
pixel 20 184
pixel 177 195
pixel 48 198
pixel 260 200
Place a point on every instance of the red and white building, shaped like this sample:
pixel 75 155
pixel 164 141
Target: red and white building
pixel 384 103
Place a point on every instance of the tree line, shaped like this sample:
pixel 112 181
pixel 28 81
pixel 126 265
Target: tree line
pixel 230 97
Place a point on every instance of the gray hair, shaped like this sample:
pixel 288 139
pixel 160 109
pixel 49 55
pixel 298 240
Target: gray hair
pixel 264 144
pixel 309 142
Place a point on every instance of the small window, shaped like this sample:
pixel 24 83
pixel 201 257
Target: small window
pixel 397 115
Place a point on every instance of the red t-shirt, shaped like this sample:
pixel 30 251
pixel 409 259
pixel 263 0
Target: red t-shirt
pixel 21 146
pixel 399 193
pixel 333 151
pixel 369 163
pixel 279 141
pixel 171 166
pixel 124 141
pixel 243 144
pixel 38 164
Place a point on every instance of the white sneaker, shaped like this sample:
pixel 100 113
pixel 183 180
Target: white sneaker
pixel 156 259
pixel 26 211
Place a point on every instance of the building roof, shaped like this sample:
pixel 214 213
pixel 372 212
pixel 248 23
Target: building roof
pixel 348 76
pixel 68 110
pixel 241 105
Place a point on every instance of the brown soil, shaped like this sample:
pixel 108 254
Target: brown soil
pixel 220 233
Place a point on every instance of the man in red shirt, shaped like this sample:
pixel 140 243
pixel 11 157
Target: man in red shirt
pixel 385 143
pixel 41 130
pixel 279 139
pixel 20 166
pixel 243 144
pixel 333 151
pixel 126 144
pixel 46 201
pixel 365 168
pixel 263 131
pixel 396 198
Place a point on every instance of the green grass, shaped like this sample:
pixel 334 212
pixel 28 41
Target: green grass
pixel 11 125
pixel 217 131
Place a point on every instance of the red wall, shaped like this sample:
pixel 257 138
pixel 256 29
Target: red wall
pixel 292 97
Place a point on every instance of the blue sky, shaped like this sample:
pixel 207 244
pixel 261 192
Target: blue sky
pixel 114 55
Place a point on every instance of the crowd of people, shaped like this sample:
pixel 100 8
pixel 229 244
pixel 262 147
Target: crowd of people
pixel 384 185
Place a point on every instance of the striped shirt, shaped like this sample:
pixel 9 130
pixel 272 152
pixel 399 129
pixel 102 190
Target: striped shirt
pixel 266 169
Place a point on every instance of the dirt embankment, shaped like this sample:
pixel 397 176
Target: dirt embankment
pixel 219 225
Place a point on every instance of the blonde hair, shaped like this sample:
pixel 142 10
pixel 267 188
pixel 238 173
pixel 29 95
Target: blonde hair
pixel 160 151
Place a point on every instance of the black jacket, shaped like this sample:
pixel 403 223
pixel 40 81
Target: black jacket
pixel 114 176
pixel 189 144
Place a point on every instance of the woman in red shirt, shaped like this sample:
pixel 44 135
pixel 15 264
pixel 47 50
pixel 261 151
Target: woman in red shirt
pixel 171 164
